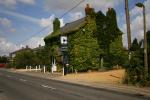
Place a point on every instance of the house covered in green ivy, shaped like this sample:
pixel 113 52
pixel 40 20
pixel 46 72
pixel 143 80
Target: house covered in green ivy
pixel 92 40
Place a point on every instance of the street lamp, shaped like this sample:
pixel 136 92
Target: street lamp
pixel 145 38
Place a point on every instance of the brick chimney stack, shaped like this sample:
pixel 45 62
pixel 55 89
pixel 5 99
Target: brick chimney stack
pixel 27 46
pixel 88 10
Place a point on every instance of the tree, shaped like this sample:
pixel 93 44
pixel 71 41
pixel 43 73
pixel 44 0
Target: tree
pixel 135 70
pixel 118 54
pixel 42 56
pixel 109 38
pixel 24 58
pixel 135 45
pixel 3 59
pixel 148 48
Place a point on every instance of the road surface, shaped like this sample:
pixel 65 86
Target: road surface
pixel 22 87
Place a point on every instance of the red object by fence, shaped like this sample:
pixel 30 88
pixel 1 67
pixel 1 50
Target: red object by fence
pixel 2 65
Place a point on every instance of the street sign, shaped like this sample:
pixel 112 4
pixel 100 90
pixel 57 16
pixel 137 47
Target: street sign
pixel 63 40
pixel 64 48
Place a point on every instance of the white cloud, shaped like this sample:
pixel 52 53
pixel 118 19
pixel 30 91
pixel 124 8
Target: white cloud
pixel 34 42
pixel 5 22
pixel 8 3
pixel 6 26
pixel 30 2
pixel 44 22
pixel 47 21
pixel 137 22
pixel 19 15
pixel 135 11
pixel 59 7
pixel 13 3
pixel 62 22
pixel 65 5
pixel 75 16
pixel 6 47
pixel 104 4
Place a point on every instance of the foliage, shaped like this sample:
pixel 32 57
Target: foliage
pixel 52 37
pixel 56 25
pixel 24 58
pixel 110 39
pixel 42 56
pixel 135 45
pixel 101 27
pixel 118 55
pixel 148 48
pixel 148 40
pixel 135 69
pixel 32 58
pixel 84 50
pixel 3 59
pixel 112 27
pixel 55 53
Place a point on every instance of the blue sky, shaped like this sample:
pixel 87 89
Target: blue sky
pixel 21 19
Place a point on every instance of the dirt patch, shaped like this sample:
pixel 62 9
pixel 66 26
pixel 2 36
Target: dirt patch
pixel 112 77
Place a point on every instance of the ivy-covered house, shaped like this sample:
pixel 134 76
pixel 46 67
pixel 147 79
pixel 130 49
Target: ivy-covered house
pixel 90 39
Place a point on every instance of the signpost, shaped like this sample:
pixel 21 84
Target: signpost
pixel 64 50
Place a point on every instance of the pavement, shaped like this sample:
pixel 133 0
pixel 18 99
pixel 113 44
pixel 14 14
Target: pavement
pixel 17 86
pixel 127 89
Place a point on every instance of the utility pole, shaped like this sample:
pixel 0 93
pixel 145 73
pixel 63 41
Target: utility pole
pixel 145 42
pixel 128 25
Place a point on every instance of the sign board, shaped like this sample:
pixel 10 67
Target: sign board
pixel 63 40
pixel 64 48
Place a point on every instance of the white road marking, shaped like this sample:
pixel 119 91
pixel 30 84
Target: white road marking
pixel 9 76
pixel 23 80
pixel 49 87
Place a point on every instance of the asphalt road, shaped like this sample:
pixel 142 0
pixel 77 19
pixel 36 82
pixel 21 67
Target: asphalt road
pixel 21 87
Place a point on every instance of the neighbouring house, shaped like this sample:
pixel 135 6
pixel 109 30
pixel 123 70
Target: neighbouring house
pixel 29 56
pixel 13 54
pixel 84 45
pixel 38 48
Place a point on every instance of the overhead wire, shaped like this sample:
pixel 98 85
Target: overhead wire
pixel 41 30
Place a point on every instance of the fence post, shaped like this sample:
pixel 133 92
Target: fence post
pixel 44 69
pixel 30 68
pixel 36 69
pixel 26 68
pixel 39 67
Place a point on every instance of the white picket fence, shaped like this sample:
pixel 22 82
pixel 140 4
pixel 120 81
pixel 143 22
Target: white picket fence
pixel 36 68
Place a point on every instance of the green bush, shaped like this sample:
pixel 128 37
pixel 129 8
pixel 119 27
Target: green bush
pixel 135 72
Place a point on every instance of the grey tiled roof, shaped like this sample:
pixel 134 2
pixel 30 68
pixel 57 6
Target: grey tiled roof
pixel 23 49
pixel 73 26
pixel 67 28
pixel 38 48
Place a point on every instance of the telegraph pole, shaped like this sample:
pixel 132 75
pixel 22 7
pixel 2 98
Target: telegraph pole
pixel 128 25
pixel 145 41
